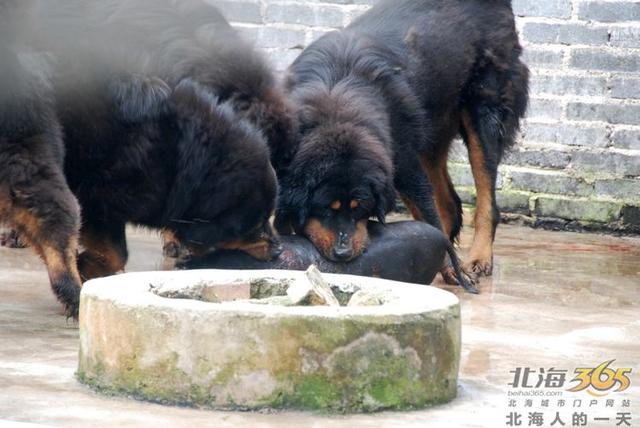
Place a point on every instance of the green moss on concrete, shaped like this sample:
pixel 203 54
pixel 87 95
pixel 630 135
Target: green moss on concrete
pixel 345 365
pixel 371 378
pixel 467 194
pixel 386 380
pixel 314 392
pixel 162 382
pixel 578 209
pixel 264 288
pixel 513 201
pixel 224 376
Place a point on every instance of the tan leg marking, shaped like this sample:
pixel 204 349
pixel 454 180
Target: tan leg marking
pixel 440 181
pixel 59 262
pixel 480 259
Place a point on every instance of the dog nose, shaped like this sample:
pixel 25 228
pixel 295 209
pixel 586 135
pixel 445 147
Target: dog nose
pixel 343 253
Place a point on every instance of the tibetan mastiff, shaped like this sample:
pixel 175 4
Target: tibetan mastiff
pixel 149 112
pixel 379 104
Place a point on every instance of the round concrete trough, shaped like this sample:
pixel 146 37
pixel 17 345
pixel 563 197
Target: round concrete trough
pixel 399 351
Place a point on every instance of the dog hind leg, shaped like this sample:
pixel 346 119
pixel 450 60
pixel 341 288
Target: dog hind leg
pixel 417 193
pixel 497 100
pixel 480 132
pixel 46 215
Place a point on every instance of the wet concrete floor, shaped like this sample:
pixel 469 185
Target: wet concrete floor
pixel 556 301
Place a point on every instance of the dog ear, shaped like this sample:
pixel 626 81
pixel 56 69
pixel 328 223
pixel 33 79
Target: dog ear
pixel 292 211
pixel 385 199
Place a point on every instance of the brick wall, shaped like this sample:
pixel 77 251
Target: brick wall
pixel 577 163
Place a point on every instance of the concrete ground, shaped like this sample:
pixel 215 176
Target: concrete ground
pixel 556 301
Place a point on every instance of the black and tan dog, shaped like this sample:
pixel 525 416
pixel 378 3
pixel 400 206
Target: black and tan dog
pixel 380 103
pixel 149 112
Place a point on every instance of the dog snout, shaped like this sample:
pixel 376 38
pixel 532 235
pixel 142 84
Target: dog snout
pixel 343 250
pixel 343 253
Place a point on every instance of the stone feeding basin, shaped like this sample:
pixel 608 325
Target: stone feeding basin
pixel 246 340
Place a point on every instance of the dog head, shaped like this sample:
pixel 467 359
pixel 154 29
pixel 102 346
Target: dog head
pixel 340 177
pixel 225 187
pixel 342 171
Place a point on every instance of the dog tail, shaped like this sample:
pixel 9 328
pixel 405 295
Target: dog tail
pixel 460 276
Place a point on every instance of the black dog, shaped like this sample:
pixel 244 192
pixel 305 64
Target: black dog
pixel 150 112
pixel 380 103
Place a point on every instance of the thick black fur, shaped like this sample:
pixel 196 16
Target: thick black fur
pixel 386 94
pixel 147 112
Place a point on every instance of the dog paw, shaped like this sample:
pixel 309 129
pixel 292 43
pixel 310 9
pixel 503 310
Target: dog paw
pixel 72 311
pixel 11 239
pixel 479 267
pixel 66 285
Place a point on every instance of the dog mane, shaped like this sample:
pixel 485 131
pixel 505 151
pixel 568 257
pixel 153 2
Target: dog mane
pixel 348 102
pixel 340 55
